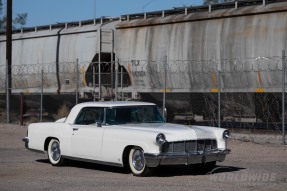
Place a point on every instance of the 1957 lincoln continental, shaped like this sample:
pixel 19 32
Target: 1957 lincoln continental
pixel 126 134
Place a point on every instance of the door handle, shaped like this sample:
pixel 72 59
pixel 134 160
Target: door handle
pixel 75 129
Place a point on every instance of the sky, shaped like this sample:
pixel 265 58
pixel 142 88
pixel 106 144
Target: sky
pixel 46 12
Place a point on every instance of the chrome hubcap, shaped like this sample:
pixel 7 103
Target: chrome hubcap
pixel 138 160
pixel 55 151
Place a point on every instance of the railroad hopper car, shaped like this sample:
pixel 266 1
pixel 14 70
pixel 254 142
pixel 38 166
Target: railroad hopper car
pixel 135 56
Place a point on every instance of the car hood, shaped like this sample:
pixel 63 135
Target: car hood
pixel 175 132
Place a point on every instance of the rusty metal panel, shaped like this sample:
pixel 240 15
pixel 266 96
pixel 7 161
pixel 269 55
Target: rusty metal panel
pixel 250 32
pixel 78 43
pixel 201 15
pixel 28 48
pixel 49 49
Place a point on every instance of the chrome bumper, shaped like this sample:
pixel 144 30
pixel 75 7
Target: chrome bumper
pixel 154 160
pixel 26 140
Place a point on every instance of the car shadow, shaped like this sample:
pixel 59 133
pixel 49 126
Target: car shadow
pixel 43 161
pixel 183 170
pixel 162 171
pixel 89 166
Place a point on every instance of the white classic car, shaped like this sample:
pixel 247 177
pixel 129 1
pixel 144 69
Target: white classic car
pixel 126 134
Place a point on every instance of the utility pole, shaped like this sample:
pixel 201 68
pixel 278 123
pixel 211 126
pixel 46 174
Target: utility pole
pixel 8 56
pixel 95 6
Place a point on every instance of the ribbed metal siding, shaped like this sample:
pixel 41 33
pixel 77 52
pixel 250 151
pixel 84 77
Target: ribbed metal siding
pixel 183 38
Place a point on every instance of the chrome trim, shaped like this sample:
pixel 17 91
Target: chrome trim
pixel 160 139
pixel 189 146
pixel 226 134
pixel 93 161
pixel 26 140
pixel 138 160
pixel 154 160
pixel 55 152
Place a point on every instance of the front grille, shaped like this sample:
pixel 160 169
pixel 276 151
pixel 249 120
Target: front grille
pixel 189 146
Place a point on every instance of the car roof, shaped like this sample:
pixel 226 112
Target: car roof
pixel 114 103
pixel 76 109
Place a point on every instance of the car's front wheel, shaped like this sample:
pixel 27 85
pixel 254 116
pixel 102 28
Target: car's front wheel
pixel 54 153
pixel 137 163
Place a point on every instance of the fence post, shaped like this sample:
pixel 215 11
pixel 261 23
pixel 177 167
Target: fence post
pixel 164 88
pixel 100 92
pixel 77 81
pixel 21 108
pixel 122 81
pixel 41 104
pixel 219 97
pixel 7 93
pixel 116 80
pixel 283 96
pixel 94 81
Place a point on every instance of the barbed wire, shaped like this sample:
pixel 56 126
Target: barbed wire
pixel 209 66
pixel 191 66
pixel 190 74
pixel 240 80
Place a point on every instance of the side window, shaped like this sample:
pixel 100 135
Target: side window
pixel 90 115
pixel 118 116
pixel 111 116
pixel 80 117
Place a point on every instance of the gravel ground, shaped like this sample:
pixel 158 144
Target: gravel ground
pixel 250 166
pixel 260 138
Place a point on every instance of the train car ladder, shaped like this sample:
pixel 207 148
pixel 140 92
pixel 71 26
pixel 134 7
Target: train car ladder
pixel 105 39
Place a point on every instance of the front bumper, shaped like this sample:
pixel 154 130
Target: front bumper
pixel 154 160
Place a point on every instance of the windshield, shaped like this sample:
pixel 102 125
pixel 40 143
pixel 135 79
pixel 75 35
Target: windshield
pixel 141 114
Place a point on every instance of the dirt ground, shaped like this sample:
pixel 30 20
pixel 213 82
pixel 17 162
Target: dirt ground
pixel 250 166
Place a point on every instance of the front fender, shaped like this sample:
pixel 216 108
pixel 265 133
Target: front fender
pixel 115 142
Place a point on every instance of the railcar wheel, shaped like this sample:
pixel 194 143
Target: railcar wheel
pixel 54 153
pixel 137 163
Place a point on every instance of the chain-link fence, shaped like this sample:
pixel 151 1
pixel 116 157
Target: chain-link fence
pixel 239 93
pixel 233 93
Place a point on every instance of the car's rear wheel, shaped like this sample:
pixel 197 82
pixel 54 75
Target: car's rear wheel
pixel 137 163
pixel 54 153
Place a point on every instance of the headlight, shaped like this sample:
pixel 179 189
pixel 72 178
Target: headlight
pixel 160 139
pixel 226 134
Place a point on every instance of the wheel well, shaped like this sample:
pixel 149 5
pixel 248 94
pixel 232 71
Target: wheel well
pixel 126 155
pixel 48 139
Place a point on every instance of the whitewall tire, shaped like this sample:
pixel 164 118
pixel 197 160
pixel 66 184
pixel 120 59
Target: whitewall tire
pixel 137 163
pixel 54 153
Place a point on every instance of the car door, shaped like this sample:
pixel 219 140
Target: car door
pixel 87 133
